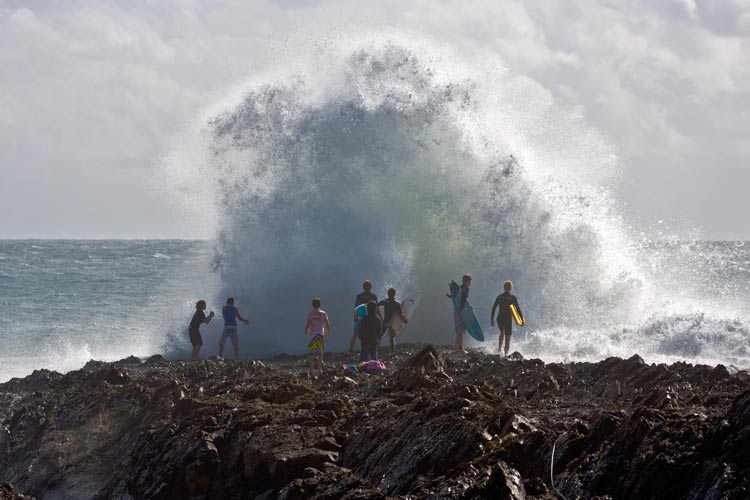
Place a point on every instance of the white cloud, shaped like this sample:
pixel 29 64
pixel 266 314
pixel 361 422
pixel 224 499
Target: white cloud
pixel 93 91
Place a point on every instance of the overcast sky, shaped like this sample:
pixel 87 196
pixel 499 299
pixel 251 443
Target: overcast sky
pixel 92 92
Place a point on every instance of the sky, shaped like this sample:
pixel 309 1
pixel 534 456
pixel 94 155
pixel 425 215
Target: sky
pixel 94 93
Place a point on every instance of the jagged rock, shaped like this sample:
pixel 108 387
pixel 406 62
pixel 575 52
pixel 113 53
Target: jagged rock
pixel 112 376
pixel 156 359
pixel 505 484
pixel 428 358
pixel 130 360
pixel 8 493
pixel 440 425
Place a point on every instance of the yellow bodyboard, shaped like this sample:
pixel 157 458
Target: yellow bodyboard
pixel 516 316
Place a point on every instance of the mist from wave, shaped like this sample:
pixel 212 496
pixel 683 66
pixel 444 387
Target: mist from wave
pixel 393 161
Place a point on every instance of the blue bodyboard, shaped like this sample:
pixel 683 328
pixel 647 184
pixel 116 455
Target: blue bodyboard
pixel 468 318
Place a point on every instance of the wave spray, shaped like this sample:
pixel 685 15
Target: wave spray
pixel 389 161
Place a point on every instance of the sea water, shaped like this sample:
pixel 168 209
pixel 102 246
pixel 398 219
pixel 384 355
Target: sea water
pixel 66 302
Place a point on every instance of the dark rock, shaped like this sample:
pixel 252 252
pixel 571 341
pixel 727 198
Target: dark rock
pixel 8 493
pixel 505 484
pixel 130 360
pixel 156 359
pixel 440 425
pixel 428 358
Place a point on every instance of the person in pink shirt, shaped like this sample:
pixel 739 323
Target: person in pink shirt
pixel 318 328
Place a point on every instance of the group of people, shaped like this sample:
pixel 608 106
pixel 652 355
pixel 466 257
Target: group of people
pixel 370 325
pixel 230 314
pixel 502 305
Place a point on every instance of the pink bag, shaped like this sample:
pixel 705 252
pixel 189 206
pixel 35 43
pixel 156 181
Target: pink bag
pixel 372 366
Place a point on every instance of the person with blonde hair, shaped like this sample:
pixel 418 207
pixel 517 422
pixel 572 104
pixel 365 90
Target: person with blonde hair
pixel 318 328
pixel 503 304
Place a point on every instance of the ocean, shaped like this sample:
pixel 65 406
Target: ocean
pixel 66 302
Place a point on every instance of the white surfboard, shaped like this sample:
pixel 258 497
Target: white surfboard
pixel 408 305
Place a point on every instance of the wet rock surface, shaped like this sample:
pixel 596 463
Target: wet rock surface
pixel 436 425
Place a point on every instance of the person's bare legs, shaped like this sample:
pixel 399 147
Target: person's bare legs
pixel 459 340
pixel 196 352
pixel 236 351
pixel 500 342
pixel 221 350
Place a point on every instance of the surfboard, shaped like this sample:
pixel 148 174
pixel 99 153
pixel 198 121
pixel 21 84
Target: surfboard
pixel 468 318
pixel 407 307
pixel 516 315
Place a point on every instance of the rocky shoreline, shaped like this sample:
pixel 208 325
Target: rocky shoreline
pixel 436 424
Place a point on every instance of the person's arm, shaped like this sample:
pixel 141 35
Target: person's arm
pixel 307 327
pixel 210 317
pixel 515 302
pixel 327 328
pixel 239 317
pixel 492 314
pixel 401 314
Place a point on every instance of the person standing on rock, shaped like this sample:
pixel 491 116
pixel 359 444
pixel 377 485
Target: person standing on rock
pixel 504 315
pixel 318 328
pixel 231 314
pixel 458 324
pixel 195 324
pixel 370 330
pixel 363 298
pixel 392 309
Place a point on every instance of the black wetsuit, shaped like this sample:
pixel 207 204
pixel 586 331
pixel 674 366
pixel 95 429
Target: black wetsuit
pixel 504 316
pixel 391 309
pixel 194 329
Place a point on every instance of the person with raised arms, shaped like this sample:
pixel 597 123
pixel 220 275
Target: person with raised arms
pixel 194 332
pixel 231 314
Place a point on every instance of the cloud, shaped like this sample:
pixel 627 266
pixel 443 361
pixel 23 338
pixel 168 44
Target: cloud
pixel 92 92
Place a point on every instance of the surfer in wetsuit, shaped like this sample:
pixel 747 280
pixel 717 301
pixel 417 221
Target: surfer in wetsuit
pixel 504 315
pixel 195 324
pixel 370 330
pixel 363 298
pixel 318 328
pixel 459 325
pixel 231 314
pixel 391 308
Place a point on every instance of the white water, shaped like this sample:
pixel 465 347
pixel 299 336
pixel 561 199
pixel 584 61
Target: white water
pixel 392 160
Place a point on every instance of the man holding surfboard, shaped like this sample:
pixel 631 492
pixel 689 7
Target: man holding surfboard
pixel 391 310
pixel 462 298
pixel 507 312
